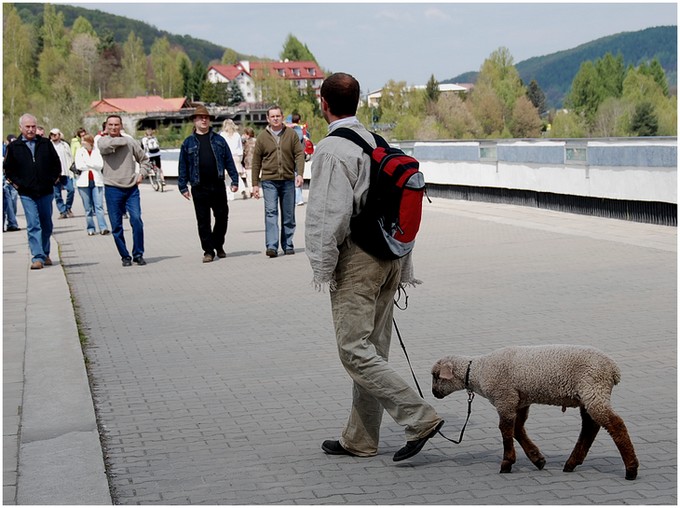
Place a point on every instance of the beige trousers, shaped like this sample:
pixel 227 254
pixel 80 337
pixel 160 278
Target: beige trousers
pixel 362 308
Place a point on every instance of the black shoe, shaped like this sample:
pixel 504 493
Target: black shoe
pixel 413 447
pixel 127 262
pixel 335 448
pixel 221 253
pixel 272 253
pixel 290 252
pixel 139 260
pixel 13 228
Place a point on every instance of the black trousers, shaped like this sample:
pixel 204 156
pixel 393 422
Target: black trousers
pixel 211 198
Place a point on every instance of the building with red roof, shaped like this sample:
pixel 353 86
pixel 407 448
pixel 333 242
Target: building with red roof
pixel 245 73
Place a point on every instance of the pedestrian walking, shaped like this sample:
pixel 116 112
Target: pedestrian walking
pixel 362 287
pixel 32 167
pixel 90 183
pixel 9 196
pixel 204 161
pixel 121 186
pixel 66 180
pixel 278 166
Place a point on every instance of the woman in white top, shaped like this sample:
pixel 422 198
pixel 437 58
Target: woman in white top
pixel 231 135
pixel 90 184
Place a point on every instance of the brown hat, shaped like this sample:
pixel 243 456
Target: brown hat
pixel 201 111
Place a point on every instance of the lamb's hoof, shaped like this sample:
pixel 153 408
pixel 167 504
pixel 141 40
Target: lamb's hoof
pixel 540 464
pixel 569 468
pixel 506 468
pixel 631 474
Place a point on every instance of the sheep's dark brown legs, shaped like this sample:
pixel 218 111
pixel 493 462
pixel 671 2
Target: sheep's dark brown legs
pixel 530 449
pixel 589 430
pixel 619 433
pixel 507 427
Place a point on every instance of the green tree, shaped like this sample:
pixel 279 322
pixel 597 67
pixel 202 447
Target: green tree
pixel 432 90
pixel 455 118
pixel 52 59
pixel 17 63
pixel 108 66
pixel 82 61
pixel 229 57
pixel 185 73
pixel 645 121
pixel 133 71
pixel 536 96
pixel 234 94
pixel 197 79
pixel 167 79
pixel 585 94
pixel 655 70
pixel 499 73
pixel 82 26
pixel 488 109
pixel 295 51
pixel 569 125
pixel 525 120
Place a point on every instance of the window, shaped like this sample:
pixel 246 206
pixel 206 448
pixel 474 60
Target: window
pixel 488 152
pixel 296 72
pixel 576 153
pixel 312 71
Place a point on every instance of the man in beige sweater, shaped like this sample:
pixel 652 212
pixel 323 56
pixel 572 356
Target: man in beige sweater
pixel 120 153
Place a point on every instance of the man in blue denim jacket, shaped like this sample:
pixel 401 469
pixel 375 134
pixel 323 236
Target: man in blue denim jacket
pixel 203 158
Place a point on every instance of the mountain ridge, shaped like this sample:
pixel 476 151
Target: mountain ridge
pixel 555 72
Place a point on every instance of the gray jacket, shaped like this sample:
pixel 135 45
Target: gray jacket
pixel 337 191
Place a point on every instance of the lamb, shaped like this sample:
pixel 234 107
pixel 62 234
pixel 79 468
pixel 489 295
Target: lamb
pixel 513 378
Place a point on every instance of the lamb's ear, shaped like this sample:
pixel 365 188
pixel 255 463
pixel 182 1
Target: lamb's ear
pixel 446 371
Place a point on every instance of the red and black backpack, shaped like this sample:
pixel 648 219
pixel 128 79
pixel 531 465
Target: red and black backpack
pixel 387 225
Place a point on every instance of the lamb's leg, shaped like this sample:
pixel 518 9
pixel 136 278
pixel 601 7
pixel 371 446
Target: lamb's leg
pixel 507 427
pixel 530 449
pixel 607 418
pixel 589 430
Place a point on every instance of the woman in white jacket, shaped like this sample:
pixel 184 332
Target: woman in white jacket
pixel 90 184
pixel 231 135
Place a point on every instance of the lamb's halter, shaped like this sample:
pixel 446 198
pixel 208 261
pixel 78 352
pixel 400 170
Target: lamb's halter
pixel 471 394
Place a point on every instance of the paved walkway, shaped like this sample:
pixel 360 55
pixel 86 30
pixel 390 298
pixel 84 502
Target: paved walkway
pixel 216 383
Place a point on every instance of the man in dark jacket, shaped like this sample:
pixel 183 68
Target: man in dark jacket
pixel 203 158
pixel 32 166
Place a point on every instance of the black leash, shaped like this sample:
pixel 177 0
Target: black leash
pixel 471 395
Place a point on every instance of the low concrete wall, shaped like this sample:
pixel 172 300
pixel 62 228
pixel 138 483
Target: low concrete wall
pixel 631 169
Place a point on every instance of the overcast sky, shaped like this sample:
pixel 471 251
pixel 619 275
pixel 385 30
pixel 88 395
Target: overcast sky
pixel 403 41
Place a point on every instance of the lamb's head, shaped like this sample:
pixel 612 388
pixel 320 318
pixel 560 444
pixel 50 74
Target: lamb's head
pixel 446 379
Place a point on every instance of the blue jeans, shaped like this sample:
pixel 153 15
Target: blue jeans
pixel 38 213
pixel 93 202
pixel 9 205
pixel 62 206
pixel 118 200
pixel 279 192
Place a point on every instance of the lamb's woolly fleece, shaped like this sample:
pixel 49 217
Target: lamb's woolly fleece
pixel 514 377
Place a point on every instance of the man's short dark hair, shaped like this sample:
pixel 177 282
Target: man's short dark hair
pixel 341 91
pixel 113 116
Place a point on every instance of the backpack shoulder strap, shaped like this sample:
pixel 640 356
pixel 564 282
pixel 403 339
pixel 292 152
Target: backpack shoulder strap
pixel 349 134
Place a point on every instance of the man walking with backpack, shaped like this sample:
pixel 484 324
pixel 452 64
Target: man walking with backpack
pixel 362 286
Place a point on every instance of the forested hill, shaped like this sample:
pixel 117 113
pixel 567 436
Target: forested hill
pixel 119 28
pixel 555 72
